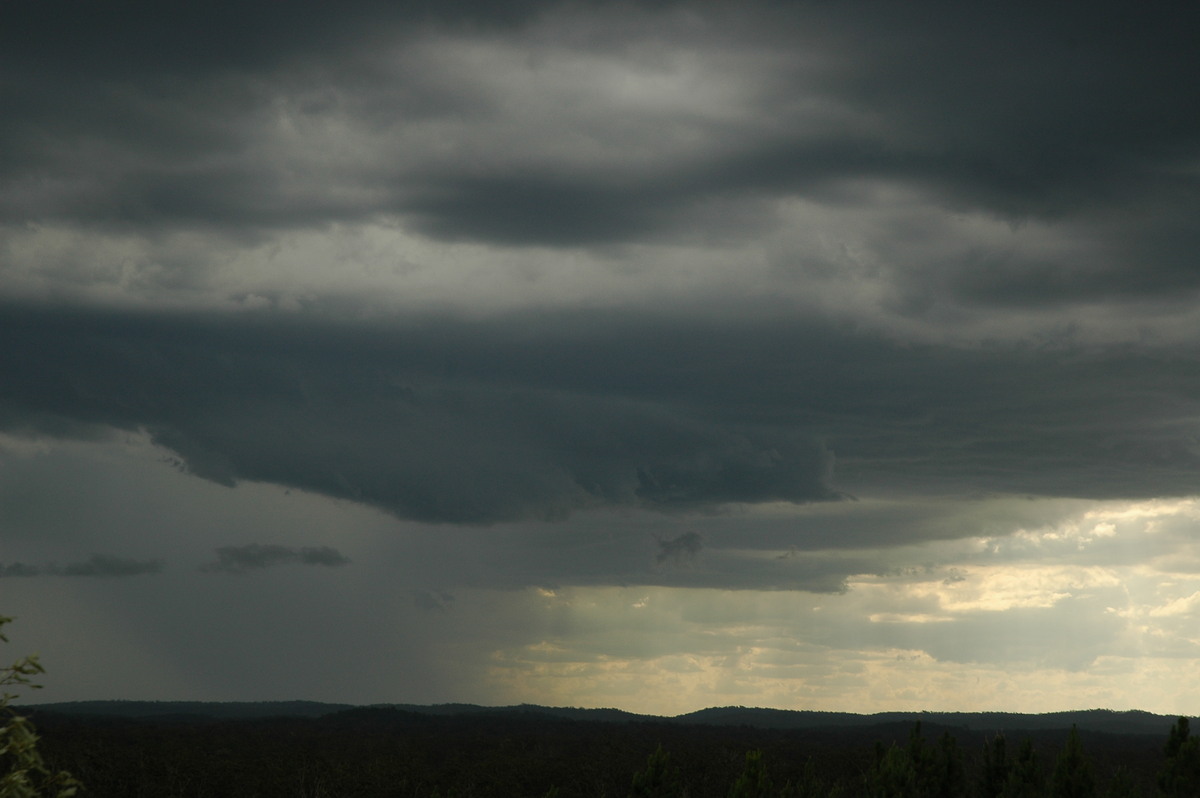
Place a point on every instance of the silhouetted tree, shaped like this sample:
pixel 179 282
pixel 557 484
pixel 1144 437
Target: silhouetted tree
pixel 892 775
pixel 948 777
pixel 1180 775
pixel 1024 774
pixel 811 785
pixel 993 775
pixel 658 779
pixel 1072 777
pixel 1122 785
pixel 754 781
pixel 918 770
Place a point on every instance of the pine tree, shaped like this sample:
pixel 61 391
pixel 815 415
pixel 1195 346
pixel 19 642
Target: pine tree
pixel 658 779
pixel 1121 785
pixel 754 781
pixel 994 774
pixel 948 780
pixel 1180 775
pixel 892 775
pixel 1072 776
pixel 1024 774
pixel 917 770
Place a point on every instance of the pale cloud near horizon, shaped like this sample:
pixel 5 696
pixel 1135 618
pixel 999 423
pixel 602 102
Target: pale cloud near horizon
pixel 924 637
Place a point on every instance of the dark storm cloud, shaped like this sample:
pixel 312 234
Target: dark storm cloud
pixel 19 569
pixel 320 555
pixel 679 550
pixel 428 423
pixel 135 38
pixel 257 556
pixel 540 415
pixel 141 118
pixel 102 565
pixel 540 209
pixel 432 600
pixel 137 116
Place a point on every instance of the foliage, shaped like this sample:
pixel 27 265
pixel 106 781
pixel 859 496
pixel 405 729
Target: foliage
pixel 1072 777
pixel 658 779
pixel 993 776
pixel 1180 775
pixel 23 773
pixel 390 753
pixel 948 778
pixel 1024 774
pixel 893 775
pixel 918 770
pixel 811 784
pixel 754 781
pixel 1121 785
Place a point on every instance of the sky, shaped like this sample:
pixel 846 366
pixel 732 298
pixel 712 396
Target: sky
pixel 661 355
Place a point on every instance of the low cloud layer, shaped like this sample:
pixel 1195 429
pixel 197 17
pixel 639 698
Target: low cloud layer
pixel 420 422
pixel 258 556
pixel 102 565
pixel 680 550
pixel 450 421
pixel 432 600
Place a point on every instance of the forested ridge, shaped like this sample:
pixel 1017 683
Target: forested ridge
pixel 388 751
pixel 1126 722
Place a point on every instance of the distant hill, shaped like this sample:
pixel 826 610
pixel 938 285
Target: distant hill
pixel 189 710
pixel 1093 720
pixel 568 713
pixel 1096 720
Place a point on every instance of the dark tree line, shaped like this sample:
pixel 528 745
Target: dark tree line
pixel 393 753
pixel 387 752
pixel 919 769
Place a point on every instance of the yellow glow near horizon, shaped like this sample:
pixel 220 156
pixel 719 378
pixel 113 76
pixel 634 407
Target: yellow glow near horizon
pixel 1036 595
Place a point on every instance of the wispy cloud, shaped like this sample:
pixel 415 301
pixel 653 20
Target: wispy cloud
pixel 679 550
pixel 20 569
pixel 258 556
pixel 432 600
pixel 102 565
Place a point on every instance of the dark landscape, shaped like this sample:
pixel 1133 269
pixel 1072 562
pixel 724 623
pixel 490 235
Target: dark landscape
pixel 136 748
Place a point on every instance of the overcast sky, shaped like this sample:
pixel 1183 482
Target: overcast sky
pixel 837 356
